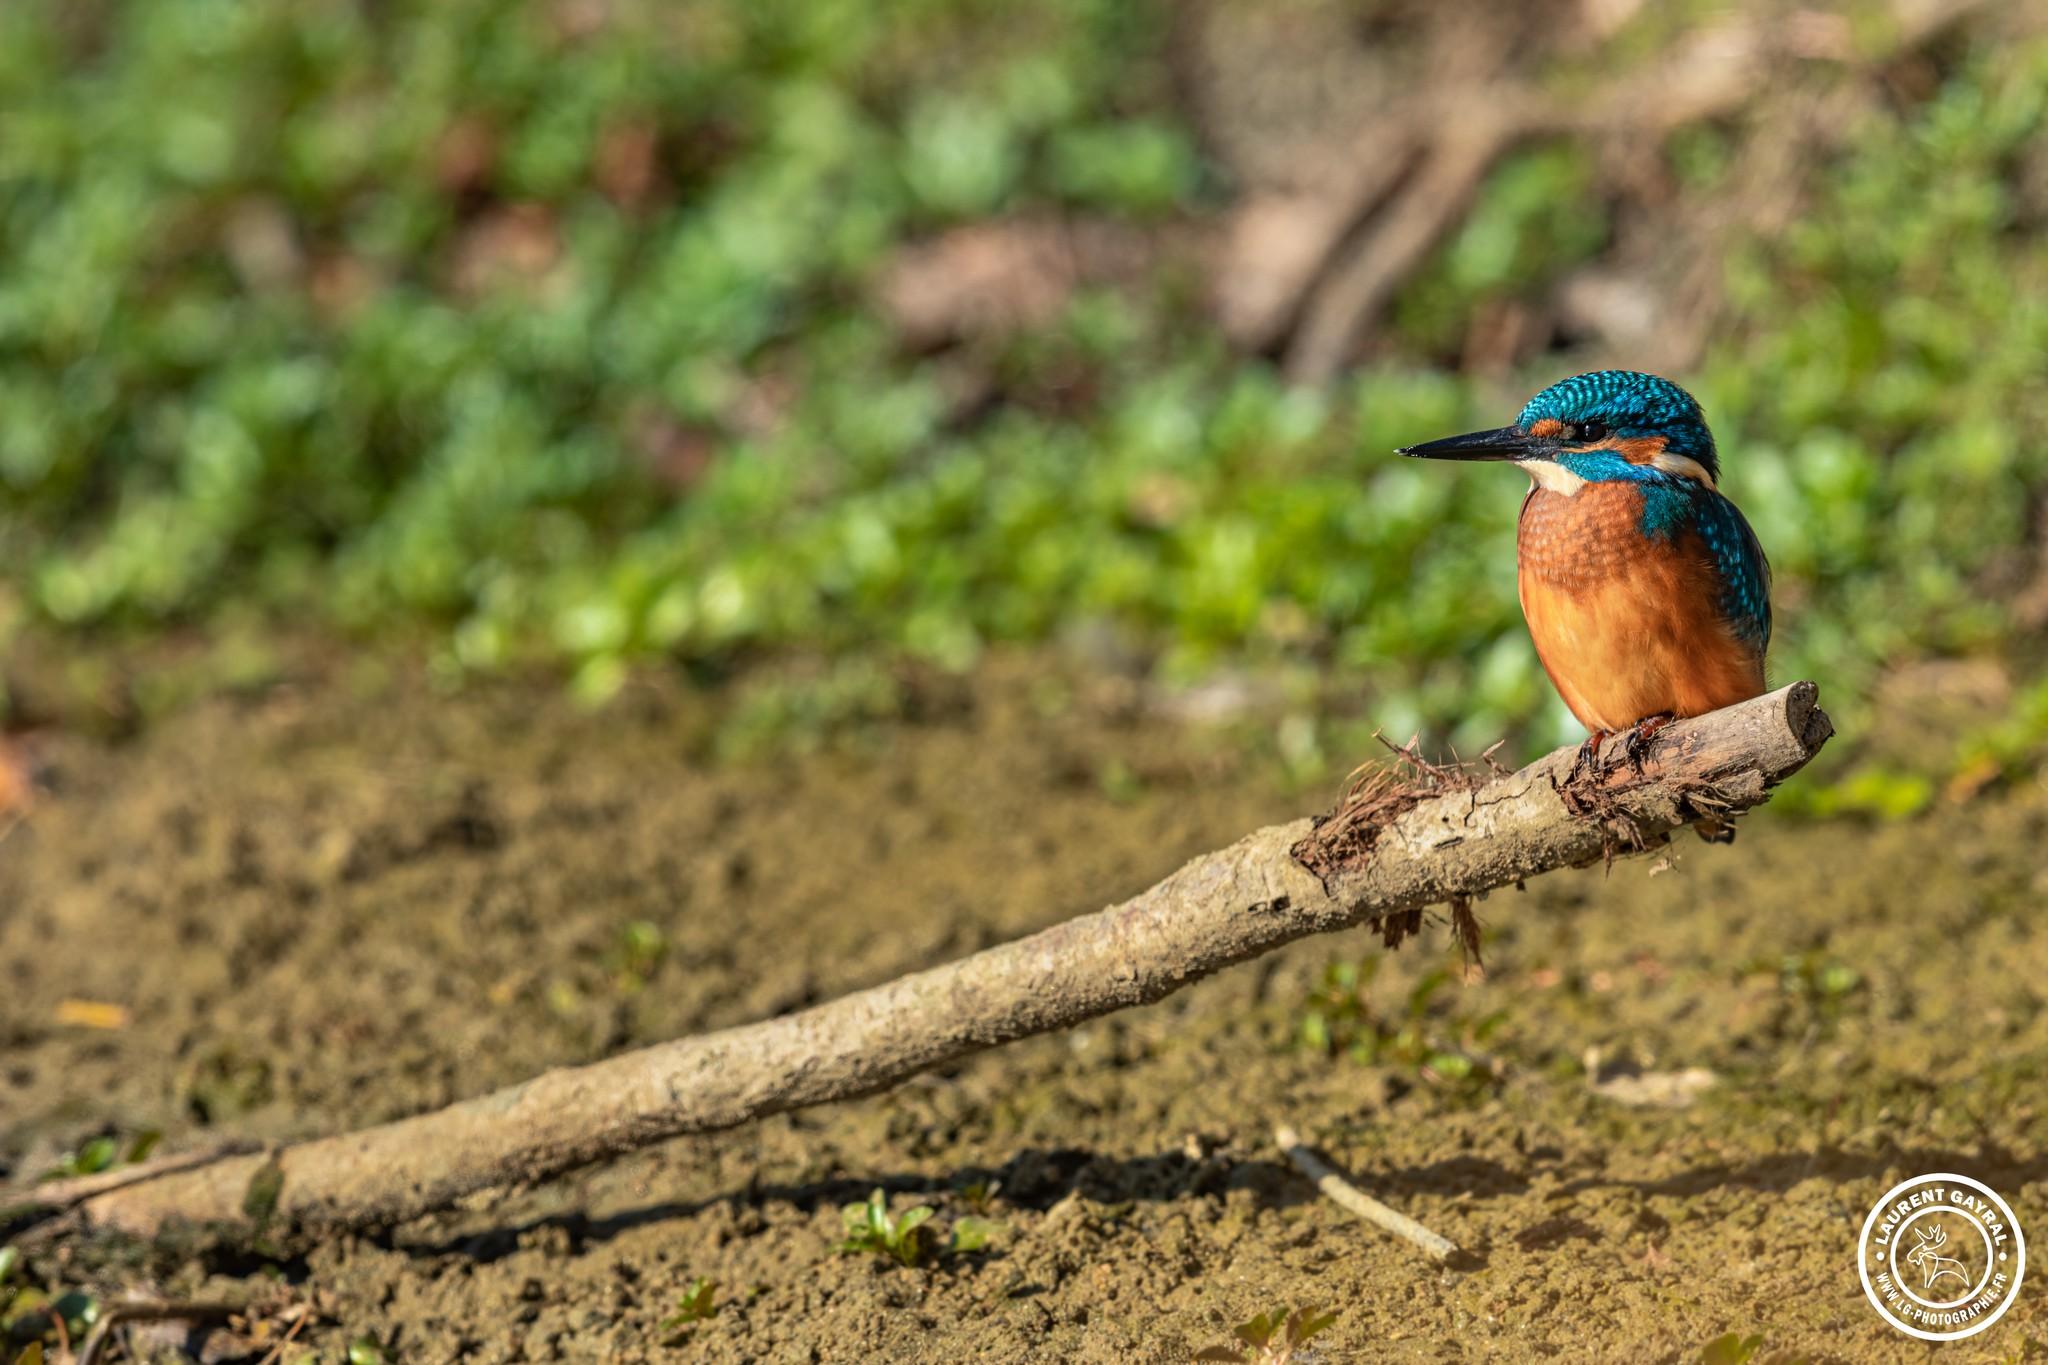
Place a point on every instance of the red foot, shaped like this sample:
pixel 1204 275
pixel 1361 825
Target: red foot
pixel 1589 758
pixel 1639 738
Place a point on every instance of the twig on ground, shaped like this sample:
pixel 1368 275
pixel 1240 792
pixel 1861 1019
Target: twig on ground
pixel 276 1353
pixel 63 1330
pixel 1354 1200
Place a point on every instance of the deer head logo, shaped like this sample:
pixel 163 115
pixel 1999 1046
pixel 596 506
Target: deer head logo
pixel 1927 1255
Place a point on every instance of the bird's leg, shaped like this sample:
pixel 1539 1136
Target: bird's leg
pixel 1639 738
pixel 1589 758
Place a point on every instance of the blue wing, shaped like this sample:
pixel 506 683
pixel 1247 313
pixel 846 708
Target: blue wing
pixel 1745 572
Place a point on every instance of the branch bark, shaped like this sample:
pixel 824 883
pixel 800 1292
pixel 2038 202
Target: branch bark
pixel 1219 909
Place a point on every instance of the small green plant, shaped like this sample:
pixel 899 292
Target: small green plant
pixel 366 1351
pixel 10 1258
pixel 970 1235
pixel 696 1305
pixel 1731 1348
pixel 1120 782
pixel 1810 975
pixel 10 1261
pixel 980 1195
pixel 1273 1338
pixel 1338 1020
pixel 103 1153
pixel 1816 984
pixel 1336 1013
pixel 1878 790
pixel 642 948
pixel 88 1159
pixel 30 1313
pixel 904 1238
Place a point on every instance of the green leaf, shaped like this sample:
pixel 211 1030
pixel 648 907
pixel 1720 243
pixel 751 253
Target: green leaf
pixel 142 1144
pixel 32 1354
pixel 913 1219
pixel 78 1309
pixel 1260 1329
pixel 10 1261
pixel 365 1351
pixel 696 1305
pixel 1731 1349
pixel 971 1234
pixel 94 1156
pixel 24 1302
pixel 1307 1323
pixel 1425 989
pixel 265 1188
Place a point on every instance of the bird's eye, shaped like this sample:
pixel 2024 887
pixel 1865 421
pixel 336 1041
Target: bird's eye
pixel 1589 431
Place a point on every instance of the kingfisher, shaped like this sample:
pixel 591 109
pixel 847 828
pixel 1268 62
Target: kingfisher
pixel 1644 587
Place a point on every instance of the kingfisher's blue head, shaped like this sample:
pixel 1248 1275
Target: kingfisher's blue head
pixel 1609 424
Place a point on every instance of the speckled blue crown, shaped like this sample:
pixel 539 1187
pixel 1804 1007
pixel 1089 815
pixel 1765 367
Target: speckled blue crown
pixel 1630 404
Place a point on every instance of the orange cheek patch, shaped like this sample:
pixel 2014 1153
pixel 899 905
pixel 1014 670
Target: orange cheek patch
pixel 1634 449
pixel 1546 426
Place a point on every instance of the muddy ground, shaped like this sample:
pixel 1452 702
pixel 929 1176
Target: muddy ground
pixel 333 902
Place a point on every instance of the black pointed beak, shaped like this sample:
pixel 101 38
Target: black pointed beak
pixel 1502 443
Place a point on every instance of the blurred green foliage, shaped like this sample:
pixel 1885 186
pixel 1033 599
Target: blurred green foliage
pixel 550 325
pixel 1428 1035
pixel 1884 391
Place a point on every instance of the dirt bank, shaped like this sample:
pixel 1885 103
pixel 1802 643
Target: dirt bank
pixel 330 904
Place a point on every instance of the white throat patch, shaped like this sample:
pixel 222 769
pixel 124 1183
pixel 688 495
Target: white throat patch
pixel 1551 475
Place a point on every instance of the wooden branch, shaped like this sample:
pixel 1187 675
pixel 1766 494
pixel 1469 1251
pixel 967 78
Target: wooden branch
pixel 1219 909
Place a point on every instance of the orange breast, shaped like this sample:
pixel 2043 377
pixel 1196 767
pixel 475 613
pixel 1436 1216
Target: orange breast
pixel 1627 625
